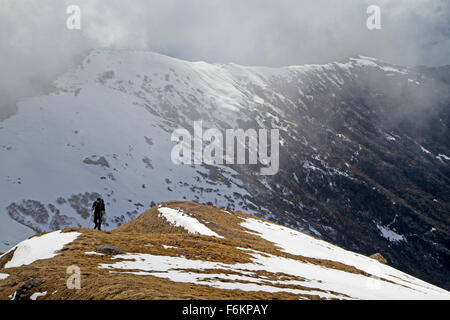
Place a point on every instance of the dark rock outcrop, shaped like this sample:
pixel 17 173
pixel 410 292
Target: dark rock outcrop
pixel 109 249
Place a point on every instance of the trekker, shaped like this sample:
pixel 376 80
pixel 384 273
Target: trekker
pixel 99 210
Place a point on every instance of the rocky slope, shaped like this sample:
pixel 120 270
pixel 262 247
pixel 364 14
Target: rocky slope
pixel 364 152
pixel 185 250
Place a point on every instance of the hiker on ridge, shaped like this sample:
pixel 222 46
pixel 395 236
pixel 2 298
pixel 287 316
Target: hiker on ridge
pixel 99 210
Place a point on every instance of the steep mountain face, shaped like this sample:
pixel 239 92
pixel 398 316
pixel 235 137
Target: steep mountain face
pixel 185 250
pixel 364 150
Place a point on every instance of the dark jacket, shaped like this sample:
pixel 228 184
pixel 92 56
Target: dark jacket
pixel 98 207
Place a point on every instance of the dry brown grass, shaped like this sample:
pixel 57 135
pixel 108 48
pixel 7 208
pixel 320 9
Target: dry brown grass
pixel 135 237
pixel 100 284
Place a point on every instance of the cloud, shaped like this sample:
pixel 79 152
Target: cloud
pixel 36 45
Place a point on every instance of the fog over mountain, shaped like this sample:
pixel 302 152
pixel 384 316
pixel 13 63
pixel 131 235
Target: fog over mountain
pixel 36 46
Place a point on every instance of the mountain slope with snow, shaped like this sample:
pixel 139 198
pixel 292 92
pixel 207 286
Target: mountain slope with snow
pixel 218 254
pixel 353 170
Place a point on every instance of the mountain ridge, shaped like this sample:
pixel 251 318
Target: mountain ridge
pixel 364 150
pixel 170 254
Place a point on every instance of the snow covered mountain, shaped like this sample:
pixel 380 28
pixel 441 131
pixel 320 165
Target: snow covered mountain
pixel 185 250
pixel 364 151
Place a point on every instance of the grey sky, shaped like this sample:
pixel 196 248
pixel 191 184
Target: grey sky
pixel 35 44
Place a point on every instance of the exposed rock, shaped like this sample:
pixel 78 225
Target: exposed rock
pixel 109 249
pixel 148 163
pixel 100 162
pixel 104 76
pixel 23 293
pixel 29 213
pixel 61 201
pixel 148 140
pixel 60 221
pixel 82 202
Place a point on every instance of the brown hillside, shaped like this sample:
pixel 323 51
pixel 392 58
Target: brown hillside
pixel 152 234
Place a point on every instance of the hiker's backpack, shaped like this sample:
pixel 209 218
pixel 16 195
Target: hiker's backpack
pixel 102 205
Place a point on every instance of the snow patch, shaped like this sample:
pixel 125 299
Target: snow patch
pixel 180 219
pixel 442 156
pixel 367 58
pixel 390 138
pixel 36 295
pixel 297 243
pixel 363 62
pixel 39 248
pixel 4 276
pixel 425 150
pixel 324 282
pixel 384 281
pixel 389 234
pixel 390 69
pixel 309 166
pixel 92 253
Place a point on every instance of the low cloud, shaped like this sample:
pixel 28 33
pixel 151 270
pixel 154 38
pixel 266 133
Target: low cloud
pixel 36 46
